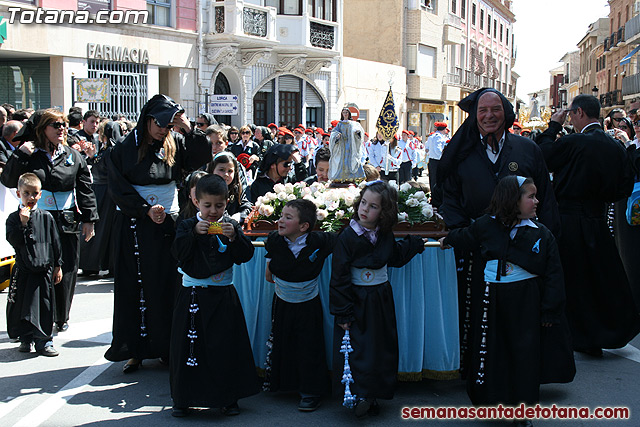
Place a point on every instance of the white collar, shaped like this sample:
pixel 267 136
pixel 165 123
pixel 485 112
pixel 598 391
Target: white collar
pixel 526 223
pixel 298 241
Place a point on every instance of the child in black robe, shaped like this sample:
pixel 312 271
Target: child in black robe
pixel 523 337
pixel 211 362
pixel 296 257
pixel 33 234
pixel 361 297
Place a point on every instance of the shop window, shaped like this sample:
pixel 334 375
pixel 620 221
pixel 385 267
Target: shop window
pixel 25 84
pixel 128 83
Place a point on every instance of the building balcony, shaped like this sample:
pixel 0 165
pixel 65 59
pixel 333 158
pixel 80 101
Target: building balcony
pixel 612 98
pixel 613 42
pixel 632 30
pixel 250 32
pixel 620 38
pixel 452 30
pixel 631 85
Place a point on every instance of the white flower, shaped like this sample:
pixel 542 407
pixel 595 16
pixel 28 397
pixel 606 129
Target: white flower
pixel 278 188
pixel 321 214
pixel 316 186
pixel 349 199
pixel 427 211
pixel 306 191
pixel 300 184
pixel 332 205
pixel 319 202
pixel 405 187
pixel 419 195
pixel 259 201
pixel 291 197
pixel 339 214
pixel 393 183
pixel 412 203
pixel 402 216
pixel 308 197
pixel 268 209
pixel 288 188
pixel 282 195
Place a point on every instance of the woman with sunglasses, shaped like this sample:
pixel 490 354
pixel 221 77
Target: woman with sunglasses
pixel 233 134
pixel 205 120
pixel 624 131
pixel 66 194
pixel 248 146
pixel 143 173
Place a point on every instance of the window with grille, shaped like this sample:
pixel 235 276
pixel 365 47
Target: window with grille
pixel 473 14
pixel 128 85
pixel 463 9
pixel 159 12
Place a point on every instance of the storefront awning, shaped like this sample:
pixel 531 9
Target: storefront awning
pixel 627 58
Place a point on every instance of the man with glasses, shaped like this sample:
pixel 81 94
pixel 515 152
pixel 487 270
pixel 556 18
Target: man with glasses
pixel 591 170
pixel 276 167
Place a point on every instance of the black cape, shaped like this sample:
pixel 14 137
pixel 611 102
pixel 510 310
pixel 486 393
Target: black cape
pixel 30 300
pixel 520 354
pixel 374 334
pixel 225 370
pixel 591 170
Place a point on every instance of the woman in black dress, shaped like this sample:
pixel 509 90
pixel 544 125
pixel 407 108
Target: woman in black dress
pixel 143 173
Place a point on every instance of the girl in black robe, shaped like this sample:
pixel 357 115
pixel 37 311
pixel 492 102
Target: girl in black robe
pixel 211 359
pixel 361 298
pixel 66 193
pixel 522 337
pixel 143 172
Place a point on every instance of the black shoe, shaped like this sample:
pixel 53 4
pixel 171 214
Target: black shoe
pixel 24 347
pixel 374 409
pixel 231 410
pixel 593 352
pixel 362 407
pixel 309 404
pixel 48 351
pixel 130 366
pixel 62 326
pixel 179 412
pixel 523 423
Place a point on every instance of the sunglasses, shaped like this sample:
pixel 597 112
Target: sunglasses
pixel 200 124
pixel 286 164
pixel 166 127
pixel 246 132
pixel 58 125
pixel 636 123
pixel 616 119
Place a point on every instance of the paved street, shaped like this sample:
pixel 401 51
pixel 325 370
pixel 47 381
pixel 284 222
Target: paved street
pixel 80 387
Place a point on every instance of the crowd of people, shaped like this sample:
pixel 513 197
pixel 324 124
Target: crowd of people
pixel 539 224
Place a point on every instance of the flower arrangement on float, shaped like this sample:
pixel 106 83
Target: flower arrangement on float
pixel 335 205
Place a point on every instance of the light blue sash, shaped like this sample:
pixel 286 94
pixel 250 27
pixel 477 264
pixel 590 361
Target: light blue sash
pixel 369 276
pixel 296 291
pixel 224 278
pixel 56 201
pixel 515 273
pixel 162 194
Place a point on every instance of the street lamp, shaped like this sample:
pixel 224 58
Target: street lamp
pixel 594 91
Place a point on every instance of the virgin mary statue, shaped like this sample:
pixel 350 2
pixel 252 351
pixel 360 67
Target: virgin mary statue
pixel 346 149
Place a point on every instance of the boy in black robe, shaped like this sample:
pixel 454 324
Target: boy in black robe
pixel 296 257
pixel 211 360
pixel 33 234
